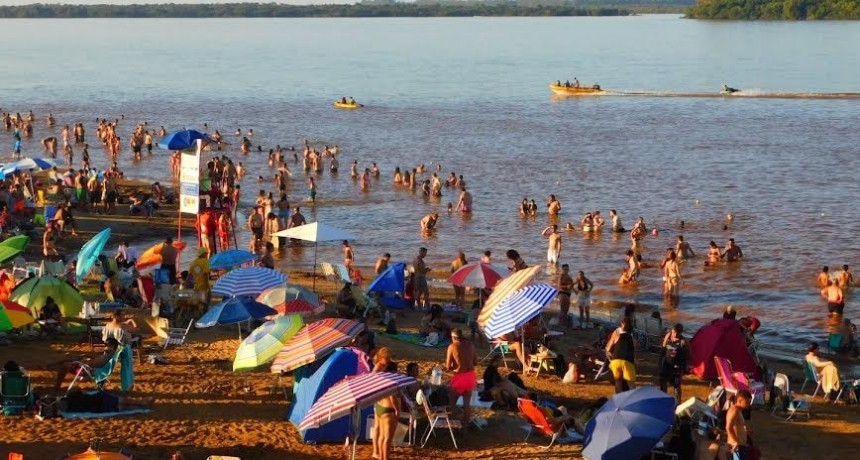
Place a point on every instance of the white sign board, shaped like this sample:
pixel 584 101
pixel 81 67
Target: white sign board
pixel 189 181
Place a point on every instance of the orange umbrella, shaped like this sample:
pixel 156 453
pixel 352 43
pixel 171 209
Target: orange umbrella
pixel 152 255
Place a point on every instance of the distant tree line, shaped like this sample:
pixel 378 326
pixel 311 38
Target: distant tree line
pixel 274 10
pixel 775 9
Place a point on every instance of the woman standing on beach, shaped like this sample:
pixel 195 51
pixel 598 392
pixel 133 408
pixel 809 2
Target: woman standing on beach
pixel 582 286
pixel 671 274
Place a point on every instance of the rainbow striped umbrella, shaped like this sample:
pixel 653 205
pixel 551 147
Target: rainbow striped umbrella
pixel 263 344
pixel 13 316
pixel 292 299
pixel 505 288
pixel 315 341
pixel 353 393
pixel 248 281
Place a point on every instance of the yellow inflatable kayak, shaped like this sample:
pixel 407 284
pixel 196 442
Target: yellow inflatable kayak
pixel 347 105
pixel 571 91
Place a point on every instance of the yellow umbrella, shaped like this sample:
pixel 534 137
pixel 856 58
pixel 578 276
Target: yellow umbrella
pixel 503 289
pixel 33 292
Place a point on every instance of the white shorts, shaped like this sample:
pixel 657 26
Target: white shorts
pixel 552 256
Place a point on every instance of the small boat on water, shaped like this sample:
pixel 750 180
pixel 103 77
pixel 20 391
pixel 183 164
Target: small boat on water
pixel 728 90
pixel 351 104
pixel 571 90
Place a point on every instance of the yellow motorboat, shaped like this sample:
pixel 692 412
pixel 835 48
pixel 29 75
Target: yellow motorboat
pixel 347 105
pixel 563 90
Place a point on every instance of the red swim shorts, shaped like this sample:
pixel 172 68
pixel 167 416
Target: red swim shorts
pixel 463 382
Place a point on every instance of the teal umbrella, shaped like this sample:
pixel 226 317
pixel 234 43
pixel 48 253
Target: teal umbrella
pixel 90 252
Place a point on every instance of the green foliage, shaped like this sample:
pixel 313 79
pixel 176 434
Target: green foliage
pixel 776 9
pixel 274 10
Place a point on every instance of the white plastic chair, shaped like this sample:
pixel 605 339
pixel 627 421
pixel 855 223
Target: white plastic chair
pixel 787 400
pixel 436 418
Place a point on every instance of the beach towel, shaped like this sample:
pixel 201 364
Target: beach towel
pixel 126 357
pixel 86 415
pixel 418 339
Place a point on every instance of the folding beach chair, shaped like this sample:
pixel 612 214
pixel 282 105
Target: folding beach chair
pixel 786 401
pixel 501 346
pixel 538 423
pixel 436 418
pixel 814 376
pixel 14 392
pixel 55 268
pixel 98 375
pixel 602 365
pixel 175 336
pixel 732 381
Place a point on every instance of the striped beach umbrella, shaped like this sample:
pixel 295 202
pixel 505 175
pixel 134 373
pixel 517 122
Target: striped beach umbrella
pixel 477 275
pixel 292 299
pixel 353 393
pixel 505 288
pixel 315 341
pixel 13 316
pixel 518 308
pixel 263 344
pixel 248 281
pixel 231 258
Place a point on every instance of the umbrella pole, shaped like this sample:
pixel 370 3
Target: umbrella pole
pixel 356 420
pixel 315 270
pixel 239 324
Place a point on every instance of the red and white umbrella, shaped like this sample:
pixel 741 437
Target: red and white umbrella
pixel 478 275
pixel 314 341
pixel 353 392
pixel 292 300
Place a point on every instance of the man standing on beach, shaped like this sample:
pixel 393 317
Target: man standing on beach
pixel 169 255
pixel 255 224
pixel 554 249
pixel 420 278
pixel 382 263
pixel 461 361
pixel 736 428
pixel 565 286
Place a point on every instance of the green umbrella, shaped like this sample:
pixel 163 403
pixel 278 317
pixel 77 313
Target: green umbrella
pixel 33 292
pixel 264 343
pixel 8 253
pixel 17 242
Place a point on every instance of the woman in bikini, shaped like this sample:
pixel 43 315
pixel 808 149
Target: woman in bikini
pixel 713 255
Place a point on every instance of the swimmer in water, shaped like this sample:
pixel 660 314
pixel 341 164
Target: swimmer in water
pixel 824 277
pixel 553 207
pixel 428 223
pixel 733 252
pixel 714 255
pixel 683 249
pixel 617 226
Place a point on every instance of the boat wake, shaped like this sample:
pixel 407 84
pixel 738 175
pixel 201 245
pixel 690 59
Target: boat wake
pixel 750 93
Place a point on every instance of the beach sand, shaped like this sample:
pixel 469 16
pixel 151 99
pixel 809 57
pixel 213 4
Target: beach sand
pixel 202 408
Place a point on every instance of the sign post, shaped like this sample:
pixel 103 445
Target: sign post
pixel 189 184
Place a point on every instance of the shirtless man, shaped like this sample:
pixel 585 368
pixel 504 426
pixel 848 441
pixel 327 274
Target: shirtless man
pixel 565 287
pixel 733 252
pixel 553 207
pixel 736 428
pixel 823 277
pixel 683 249
pixel 617 226
pixel 50 145
pixel 464 205
pixel 428 223
pixel 296 219
pixel 420 279
pixel 835 301
pixel 461 360
pixel 846 279
pixel 382 263
pixel 554 248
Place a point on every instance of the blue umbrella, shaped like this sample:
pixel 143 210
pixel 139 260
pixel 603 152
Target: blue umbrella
pixel 248 281
pixel 234 311
pixel 231 258
pixel 181 140
pixel 629 425
pixel 27 164
pixel 90 252
pixel 518 308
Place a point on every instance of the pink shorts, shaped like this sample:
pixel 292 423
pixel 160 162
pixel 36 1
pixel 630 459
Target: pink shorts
pixel 463 382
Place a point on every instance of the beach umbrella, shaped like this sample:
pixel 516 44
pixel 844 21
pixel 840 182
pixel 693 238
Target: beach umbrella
pixel 90 252
pixel 477 275
pixel 13 316
pixel 12 247
pixel 724 338
pixel 292 299
pixel 7 284
pixel 26 164
pixel 152 255
pixel 248 281
pixel 264 342
pixel 16 242
pixel 629 425
pixel 350 395
pixel 503 289
pixel 315 341
pixel 317 233
pixel 32 293
pixel 182 139
pixel 231 258
pixel 519 308
pixel 234 311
